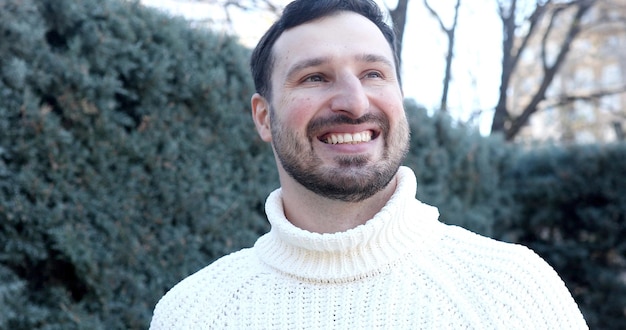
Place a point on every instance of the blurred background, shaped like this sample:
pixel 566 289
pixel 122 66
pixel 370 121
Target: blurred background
pixel 562 70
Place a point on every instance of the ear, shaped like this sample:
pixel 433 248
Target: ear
pixel 261 116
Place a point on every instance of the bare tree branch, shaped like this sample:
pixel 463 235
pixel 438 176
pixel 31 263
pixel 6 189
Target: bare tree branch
pixel 564 100
pixel 501 114
pixel 582 6
pixel 533 21
pixel 398 19
pixel 247 6
pixel 512 55
pixel 450 34
pixel 619 131
pixel 503 120
pixel 548 32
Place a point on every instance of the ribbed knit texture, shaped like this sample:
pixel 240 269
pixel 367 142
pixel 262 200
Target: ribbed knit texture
pixel 403 269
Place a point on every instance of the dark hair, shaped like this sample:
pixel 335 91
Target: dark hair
pixel 300 12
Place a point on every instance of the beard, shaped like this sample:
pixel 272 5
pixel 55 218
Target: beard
pixel 353 178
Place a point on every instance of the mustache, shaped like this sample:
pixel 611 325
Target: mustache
pixel 320 124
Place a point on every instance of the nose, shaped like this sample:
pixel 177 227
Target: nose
pixel 350 96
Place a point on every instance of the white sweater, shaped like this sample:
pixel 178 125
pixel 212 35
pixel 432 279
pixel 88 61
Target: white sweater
pixel 403 269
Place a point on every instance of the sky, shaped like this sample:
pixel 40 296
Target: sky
pixel 475 69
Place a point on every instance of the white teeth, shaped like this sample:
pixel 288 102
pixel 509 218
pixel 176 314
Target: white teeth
pixel 349 138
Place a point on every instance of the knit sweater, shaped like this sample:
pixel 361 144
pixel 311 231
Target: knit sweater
pixel 403 269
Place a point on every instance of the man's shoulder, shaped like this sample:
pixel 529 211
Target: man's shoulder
pixel 482 250
pixel 492 264
pixel 234 263
pixel 225 268
pixel 504 269
pixel 508 278
pixel 198 293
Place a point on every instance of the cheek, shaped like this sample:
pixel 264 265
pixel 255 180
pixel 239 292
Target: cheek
pixel 392 105
pixel 296 111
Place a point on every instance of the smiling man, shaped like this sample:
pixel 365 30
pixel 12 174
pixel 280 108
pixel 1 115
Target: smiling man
pixel 335 119
pixel 350 246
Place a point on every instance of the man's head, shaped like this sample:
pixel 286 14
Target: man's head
pixel 335 117
pixel 303 11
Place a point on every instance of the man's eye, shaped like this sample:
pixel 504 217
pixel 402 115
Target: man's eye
pixel 314 78
pixel 373 74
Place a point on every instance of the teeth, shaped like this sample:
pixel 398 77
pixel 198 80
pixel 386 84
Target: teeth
pixel 349 138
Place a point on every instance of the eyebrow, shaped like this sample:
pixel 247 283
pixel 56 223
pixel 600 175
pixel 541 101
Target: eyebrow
pixel 373 58
pixel 316 61
pixel 307 63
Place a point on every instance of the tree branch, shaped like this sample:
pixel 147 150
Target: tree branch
pixel 569 99
pixel 436 15
pixel 450 33
pixel 550 70
pixel 533 21
pixel 398 18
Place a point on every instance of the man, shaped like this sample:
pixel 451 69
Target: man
pixel 350 247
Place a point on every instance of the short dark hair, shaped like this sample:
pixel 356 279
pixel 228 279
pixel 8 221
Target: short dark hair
pixel 300 12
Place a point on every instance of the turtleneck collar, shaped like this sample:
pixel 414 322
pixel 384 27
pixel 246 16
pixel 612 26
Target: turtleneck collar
pixel 402 226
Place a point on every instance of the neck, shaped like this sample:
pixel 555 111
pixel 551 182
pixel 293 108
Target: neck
pixel 318 214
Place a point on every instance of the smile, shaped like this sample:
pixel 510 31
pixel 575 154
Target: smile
pixel 348 138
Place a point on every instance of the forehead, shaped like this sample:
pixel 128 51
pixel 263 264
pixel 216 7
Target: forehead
pixel 342 35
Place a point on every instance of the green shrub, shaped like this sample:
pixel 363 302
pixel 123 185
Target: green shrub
pixel 128 160
pixel 458 170
pixel 571 209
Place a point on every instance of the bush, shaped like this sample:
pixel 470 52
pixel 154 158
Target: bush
pixel 127 160
pixel 458 170
pixel 571 209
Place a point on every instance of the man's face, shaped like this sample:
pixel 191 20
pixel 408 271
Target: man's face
pixel 336 118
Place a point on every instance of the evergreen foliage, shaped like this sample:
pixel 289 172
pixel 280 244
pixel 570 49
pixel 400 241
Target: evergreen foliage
pixel 571 209
pixel 458 170
pixel 128 160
